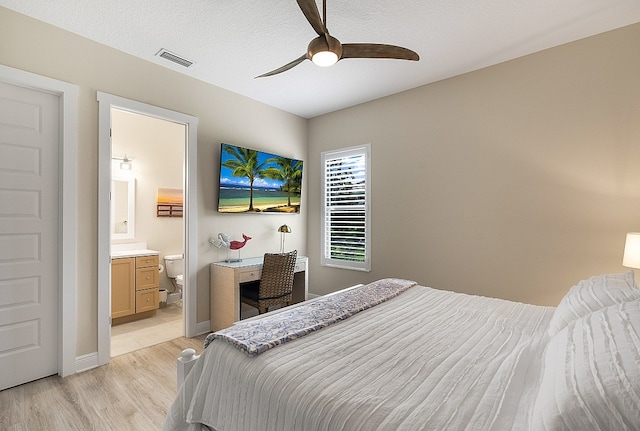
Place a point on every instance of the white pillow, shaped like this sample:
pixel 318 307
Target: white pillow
pixel 593 294
pixel 591 379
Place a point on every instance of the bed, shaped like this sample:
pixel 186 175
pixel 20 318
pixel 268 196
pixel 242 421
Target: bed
pixel 394 355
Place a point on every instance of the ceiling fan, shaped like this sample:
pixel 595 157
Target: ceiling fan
pixel 326 50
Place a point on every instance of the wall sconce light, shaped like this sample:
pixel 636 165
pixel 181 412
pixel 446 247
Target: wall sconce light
pixel 284 229
pixel 631 257
pixel 126 164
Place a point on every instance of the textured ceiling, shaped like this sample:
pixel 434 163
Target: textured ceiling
pixel 232 41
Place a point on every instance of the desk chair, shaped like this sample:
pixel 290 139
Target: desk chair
pixel 275 285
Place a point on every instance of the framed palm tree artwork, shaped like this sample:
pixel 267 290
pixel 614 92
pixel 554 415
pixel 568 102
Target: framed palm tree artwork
pixel 253 181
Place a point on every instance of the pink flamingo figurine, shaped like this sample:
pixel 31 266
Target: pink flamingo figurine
pixel 237 245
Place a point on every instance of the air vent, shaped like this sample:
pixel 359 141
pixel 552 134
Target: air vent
pixel 173 57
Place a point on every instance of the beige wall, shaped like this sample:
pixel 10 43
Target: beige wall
pixel 513 181
pixel 223 116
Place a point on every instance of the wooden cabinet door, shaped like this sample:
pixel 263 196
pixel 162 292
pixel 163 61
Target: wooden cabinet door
pixel 123 299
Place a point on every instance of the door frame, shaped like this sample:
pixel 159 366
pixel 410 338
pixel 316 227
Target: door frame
pixel 67 219
pixel 106 102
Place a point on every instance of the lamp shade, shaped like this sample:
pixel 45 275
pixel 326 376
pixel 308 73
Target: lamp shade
pixel 631 258
pixel 284 229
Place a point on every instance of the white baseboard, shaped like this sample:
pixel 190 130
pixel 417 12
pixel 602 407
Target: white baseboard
pixel 203 327
pixel 86 362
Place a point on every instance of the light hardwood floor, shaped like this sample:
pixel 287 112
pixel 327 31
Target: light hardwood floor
pixel 132 392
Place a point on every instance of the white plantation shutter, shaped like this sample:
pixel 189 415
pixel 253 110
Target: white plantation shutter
pixel 345 217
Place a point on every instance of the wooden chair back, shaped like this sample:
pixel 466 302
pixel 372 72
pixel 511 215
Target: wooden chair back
pixel 276 282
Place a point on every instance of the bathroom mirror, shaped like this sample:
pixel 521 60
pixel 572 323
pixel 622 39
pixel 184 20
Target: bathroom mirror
pixel 123 204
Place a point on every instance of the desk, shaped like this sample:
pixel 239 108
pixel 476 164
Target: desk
pixel 225 287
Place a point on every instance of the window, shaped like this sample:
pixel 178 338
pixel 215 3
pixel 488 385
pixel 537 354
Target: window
pixel 345 208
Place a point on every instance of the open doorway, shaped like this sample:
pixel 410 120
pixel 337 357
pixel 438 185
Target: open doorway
pixel 107 105
pixel 147 230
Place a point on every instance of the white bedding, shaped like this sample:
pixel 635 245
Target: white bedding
pixel 426 359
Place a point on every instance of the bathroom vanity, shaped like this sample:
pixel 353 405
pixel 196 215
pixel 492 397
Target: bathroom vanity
pixel 134 285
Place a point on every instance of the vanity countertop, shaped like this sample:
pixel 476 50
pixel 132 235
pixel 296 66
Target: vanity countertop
pixel 133 253
pixel 131 250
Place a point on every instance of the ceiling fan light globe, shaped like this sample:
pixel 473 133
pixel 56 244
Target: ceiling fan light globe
pixel 324 58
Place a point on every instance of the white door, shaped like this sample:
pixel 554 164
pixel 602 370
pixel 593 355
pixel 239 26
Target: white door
pixel 29 273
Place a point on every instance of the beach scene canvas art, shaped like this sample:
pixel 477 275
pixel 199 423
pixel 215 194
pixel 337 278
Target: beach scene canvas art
pixel 253 181
pixel 170 202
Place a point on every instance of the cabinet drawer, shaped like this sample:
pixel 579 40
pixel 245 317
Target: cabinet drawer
pixel 147 300
pixel 250 275
pixel 147 278
pixel 299 267
pixel 142 261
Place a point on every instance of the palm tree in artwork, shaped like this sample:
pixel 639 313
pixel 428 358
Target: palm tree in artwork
pixel 289 171
pixel 245 165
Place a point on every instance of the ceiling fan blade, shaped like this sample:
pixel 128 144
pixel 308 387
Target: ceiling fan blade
pixel 377 50
pixel 286 67
pixel 310 11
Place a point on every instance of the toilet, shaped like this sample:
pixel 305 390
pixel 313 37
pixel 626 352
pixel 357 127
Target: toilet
pixel 174 263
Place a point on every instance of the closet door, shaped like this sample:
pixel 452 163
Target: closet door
pixel 29 218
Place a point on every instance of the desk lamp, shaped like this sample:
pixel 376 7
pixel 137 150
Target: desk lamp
pixel 284 229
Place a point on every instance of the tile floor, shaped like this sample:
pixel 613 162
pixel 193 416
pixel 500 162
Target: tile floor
pixel 164 326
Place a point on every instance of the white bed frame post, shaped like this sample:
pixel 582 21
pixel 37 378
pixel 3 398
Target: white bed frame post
pixel 186 361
